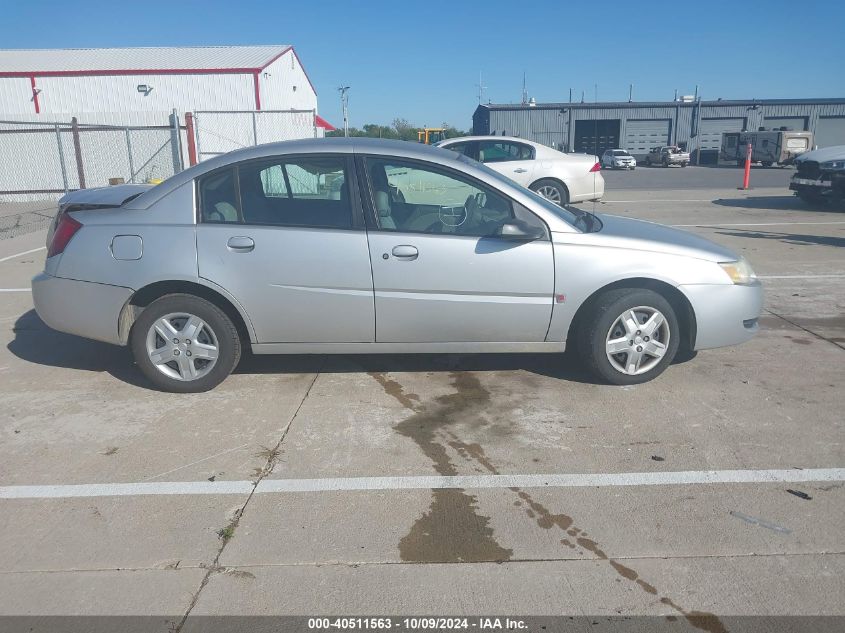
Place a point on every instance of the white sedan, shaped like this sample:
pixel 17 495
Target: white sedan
pixel 618 159
pixel 561 178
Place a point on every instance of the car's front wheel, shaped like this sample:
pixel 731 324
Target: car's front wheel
pixel 551 190
pixel 185 344
pixel 629 336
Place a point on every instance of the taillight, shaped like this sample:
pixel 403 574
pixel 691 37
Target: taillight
pixel 64 232
pixel 595 168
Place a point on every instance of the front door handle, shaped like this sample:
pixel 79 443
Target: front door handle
pixel 240 244
pixel 520 171
pixel 405 251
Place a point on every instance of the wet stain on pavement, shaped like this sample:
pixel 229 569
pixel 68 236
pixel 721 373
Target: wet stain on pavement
pixel 452 530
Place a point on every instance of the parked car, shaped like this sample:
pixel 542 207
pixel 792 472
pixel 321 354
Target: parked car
pixel 334 246
pixel 667 155
pixel 561 178
pixel 618 159
pixel 820 176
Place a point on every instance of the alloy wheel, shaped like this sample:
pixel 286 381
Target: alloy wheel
pixel 550 193
pixel 182 346
pixel 637 340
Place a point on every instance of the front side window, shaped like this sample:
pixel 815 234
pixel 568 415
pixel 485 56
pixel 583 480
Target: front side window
pixel 422 198
pixel 300 191
pixel 501 151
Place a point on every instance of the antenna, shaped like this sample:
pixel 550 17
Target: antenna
pixel 344 102
pixel 481 88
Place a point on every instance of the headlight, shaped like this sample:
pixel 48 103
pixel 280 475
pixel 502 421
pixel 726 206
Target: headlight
pixel 833 165
pixel 739 271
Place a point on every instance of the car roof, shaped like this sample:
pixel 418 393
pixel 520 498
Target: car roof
pixel 330 145
pixel 489 137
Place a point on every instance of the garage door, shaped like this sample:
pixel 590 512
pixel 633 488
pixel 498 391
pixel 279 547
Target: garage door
pixel 641 134
pixel 797 123
pixel 711 131
pixel 830 130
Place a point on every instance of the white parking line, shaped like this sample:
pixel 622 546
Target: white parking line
pixel 15 289
pixel 427 482
pixel 658 200
pixel 34 250
pixel 800 276
pixel 706 225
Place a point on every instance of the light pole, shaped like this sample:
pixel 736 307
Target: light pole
pixel 344 102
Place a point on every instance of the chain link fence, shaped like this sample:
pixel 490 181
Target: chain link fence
pixel 41 160
pixel 223 131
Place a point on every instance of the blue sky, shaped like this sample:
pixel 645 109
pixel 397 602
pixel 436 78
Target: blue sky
pixel 420 60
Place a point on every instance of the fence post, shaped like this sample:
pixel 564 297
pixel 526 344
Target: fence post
pixel 77 151
pixel 61 157
pixel 254 129
pixel 189 132
pixel 175 142
pixel 129 152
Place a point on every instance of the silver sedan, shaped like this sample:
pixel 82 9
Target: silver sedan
pixel 335 246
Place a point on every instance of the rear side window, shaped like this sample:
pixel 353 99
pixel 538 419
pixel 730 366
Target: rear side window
pixel 501 151
pixel 218 197
pixel 297 192
pixel 461 148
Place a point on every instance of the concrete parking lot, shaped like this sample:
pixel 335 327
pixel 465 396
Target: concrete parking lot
pixel 446 484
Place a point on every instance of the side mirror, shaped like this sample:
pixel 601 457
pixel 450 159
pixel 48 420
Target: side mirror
pixel 520 232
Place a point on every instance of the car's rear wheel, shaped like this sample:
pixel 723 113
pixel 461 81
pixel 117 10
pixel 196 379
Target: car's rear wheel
pixel 629 336
pixel 185 344
pixel 551 190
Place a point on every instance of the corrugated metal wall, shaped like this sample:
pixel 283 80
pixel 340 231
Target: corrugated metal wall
pixel 554 124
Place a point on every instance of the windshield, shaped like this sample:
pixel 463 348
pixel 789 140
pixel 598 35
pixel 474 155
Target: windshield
pixel 564 214
pixel 620 152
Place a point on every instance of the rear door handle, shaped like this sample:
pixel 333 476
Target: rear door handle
pixel 240 244
pixel 520 171
pixel 405 251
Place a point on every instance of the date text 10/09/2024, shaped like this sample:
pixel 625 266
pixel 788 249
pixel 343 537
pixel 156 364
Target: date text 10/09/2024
pixel 416 624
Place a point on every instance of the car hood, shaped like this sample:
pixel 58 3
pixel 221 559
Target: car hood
pixel 822 155
pixel 619 232
pixel 114 195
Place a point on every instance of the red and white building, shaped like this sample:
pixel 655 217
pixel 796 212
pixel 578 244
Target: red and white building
pixel 118 81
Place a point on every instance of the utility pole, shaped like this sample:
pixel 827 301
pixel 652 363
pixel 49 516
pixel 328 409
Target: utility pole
pixel 344 102
pixel 630 93
pixel 524 90
pixel 481 89
pixel 698 130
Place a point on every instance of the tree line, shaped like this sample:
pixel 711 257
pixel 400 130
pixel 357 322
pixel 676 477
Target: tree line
pixel 400 129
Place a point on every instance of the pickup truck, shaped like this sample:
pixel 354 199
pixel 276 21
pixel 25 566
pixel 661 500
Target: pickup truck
pixel 667 155
pixel 820 176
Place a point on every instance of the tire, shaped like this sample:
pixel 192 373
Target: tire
pixel 767 164
pixel 665 162
pixel 192 324
pixel 684 164
pixel 603 324
pixel 551 190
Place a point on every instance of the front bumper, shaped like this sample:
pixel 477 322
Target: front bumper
pixel 80 307
pixel 724 314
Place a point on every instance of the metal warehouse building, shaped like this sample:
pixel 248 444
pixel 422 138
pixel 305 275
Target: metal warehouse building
pixel 637 127
pixel 114 80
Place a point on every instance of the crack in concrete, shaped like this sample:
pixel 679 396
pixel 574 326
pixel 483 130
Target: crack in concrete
pixel 801 327
pixel 272 456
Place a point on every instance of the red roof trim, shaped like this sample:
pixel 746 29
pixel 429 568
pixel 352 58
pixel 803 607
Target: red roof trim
pixel 133 71
pixel 321 122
